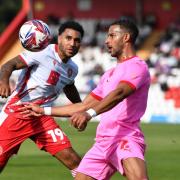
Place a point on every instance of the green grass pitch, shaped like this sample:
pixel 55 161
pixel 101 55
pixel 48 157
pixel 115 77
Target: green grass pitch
pixel 162 155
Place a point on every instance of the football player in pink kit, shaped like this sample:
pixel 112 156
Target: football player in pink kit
pixel 120 98
pixel 45 74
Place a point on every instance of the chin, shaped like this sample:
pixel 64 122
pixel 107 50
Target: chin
pixel 113 55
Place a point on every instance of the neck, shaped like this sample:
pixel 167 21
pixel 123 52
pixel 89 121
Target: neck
pixel 65 60
pixel 126 54
pixel 61 55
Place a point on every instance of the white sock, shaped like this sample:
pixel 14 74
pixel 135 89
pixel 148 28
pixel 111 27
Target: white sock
pixel 74 172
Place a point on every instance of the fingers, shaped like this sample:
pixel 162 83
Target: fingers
pixel 4 92
pixel 25 109
pixel 27 113
pixel 82 127
pixel 79 121
pixel 29 110
pixel 74 121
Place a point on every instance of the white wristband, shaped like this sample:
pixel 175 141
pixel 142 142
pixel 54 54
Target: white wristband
pixel 91 112
pixel 47 110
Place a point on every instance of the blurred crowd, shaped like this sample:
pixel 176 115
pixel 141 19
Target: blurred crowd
pixel 93 58
pixel 164 62
pixel 166 56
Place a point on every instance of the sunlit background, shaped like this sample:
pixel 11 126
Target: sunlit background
pixel 158 43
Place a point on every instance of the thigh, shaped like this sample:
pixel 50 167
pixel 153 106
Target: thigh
pixel 127 149
pixel 81 176
pixel 95 165
pixel 135 168
pixel 52 138
pixel 4 157
pixel 68 157
pixel 12 133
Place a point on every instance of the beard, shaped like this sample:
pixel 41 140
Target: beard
pixel 65 53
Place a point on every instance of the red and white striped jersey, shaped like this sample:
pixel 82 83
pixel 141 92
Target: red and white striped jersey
pixel 44 78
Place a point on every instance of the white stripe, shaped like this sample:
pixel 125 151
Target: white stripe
pixel 74 172
pixel 3 117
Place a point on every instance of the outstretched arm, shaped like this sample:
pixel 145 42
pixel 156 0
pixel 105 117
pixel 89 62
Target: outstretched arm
pixel 80 119
pixel 122 91
pixel 5 73
pixel 59 111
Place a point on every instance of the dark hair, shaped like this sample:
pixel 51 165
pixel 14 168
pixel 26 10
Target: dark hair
pixel 71 25
pixel 129 26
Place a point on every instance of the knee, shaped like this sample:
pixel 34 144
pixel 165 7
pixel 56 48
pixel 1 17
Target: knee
pixel 136 173
pixel 3 162
pixel 2 165
pixel 135 169
pixel 69 158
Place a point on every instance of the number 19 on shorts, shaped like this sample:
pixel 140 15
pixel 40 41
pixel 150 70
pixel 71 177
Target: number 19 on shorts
pixel 56 133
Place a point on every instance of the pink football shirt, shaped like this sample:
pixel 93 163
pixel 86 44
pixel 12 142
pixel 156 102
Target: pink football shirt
pixel 123 120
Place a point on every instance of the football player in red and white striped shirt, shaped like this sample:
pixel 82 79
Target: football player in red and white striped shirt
pixel 45 74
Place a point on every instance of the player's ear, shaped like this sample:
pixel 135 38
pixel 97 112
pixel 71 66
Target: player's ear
pixel 59 38
pixel 127 37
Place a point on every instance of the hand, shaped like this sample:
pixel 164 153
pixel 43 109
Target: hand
pixel 31 110
pixel 80 120
pixel 4 89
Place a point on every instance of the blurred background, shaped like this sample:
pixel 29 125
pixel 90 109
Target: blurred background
pixel 158 44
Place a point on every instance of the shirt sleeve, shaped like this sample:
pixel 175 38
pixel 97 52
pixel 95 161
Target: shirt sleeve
pixel 135 75
pixel 97 92
pixel 30 58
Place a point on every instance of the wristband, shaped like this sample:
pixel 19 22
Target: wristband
pixel 47 111
pixel 91 112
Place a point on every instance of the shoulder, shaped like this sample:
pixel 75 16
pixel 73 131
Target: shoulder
pixel 108 73
pixel 37 54
pixel 137 64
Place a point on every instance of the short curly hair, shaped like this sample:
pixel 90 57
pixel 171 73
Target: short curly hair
pixel 71 25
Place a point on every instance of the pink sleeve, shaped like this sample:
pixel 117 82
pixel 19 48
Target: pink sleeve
pixel 97 92
pixel 136 74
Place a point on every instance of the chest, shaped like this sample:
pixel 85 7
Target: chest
pixel 54 73
pixel 111 80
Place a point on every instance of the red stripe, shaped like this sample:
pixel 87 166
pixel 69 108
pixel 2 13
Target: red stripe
pixel 20 94
pixel 129 83
pixel 8 35
pixel 56 48
pixel 22 59
pixel 26 78
pixel 96 96
pixel 43 100
pixel 129 58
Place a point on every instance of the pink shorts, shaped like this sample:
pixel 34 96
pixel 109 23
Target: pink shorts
pixel 43 130
pixel 101 162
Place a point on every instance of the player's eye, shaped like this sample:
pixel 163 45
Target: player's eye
pixel 68 38
pixel 111 35
pixel 77 40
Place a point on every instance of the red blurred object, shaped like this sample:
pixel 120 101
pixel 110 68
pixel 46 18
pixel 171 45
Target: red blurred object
pixel 177 103
pixel 11 32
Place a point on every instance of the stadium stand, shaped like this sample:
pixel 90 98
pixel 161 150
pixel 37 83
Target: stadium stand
pixel 161 49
